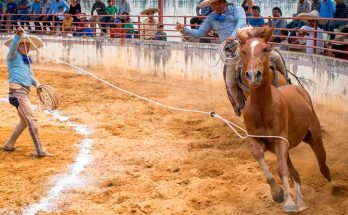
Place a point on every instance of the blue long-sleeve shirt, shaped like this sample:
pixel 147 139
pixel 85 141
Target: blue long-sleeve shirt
pixel 18 71
pixel 327 9
pixel 234 20
pixel 56 5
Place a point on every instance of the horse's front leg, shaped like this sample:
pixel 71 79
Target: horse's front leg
pixel 257 151
pixel 282 153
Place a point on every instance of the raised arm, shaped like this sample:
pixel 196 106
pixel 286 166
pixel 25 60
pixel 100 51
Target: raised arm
pixel 14 44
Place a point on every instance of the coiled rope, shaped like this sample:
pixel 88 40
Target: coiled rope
pixel 48 96
pixel 230 124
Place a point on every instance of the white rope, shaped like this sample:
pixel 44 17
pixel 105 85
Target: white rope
pixel 230 124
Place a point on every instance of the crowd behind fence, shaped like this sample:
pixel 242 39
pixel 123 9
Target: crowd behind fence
pixel 313 37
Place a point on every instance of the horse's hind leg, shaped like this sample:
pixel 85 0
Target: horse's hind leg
pixel 314 139
pixel 301 205
pixel 257 152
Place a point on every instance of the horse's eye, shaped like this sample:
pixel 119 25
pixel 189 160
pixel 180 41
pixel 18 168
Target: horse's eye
pixel 265 49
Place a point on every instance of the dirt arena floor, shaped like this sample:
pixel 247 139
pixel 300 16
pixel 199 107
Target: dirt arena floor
pixel 150 160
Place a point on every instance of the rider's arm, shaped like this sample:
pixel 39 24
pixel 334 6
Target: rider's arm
pixel 202 31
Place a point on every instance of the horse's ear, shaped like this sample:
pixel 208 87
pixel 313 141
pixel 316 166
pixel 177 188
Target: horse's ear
pixel 268 33
pixel 242 36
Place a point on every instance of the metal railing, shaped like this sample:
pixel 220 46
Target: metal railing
pixel 94 25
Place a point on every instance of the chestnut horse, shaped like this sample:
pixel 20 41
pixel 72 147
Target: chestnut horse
pixel 286 111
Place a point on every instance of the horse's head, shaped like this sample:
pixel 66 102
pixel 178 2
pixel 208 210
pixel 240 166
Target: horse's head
pixel 254 54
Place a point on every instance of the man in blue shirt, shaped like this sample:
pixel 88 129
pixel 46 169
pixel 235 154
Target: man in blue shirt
pixel 256 21
pixel 23 8
pixel 225 19
pixel 327 9
pixel 11 8
pixel 21 79
pixel 36 9
pixel 54 10
pixel 123 7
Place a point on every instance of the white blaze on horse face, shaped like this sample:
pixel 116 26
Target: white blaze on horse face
pixel 253 44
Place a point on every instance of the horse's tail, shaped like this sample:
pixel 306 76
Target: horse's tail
pixel 325 133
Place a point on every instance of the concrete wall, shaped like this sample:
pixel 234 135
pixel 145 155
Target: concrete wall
pixel 327 78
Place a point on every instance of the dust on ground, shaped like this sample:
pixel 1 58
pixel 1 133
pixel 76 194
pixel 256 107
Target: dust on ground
pixel 150 160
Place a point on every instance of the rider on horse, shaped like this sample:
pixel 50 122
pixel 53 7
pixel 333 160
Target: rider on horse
pixel 226 19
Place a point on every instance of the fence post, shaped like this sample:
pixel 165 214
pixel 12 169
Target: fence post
pixel 315 35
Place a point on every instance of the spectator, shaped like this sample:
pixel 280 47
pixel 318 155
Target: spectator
pixel 284 40
pixel 339 46
pixel 83 28
pixel 45 7
pixel 149 25
pixel 277 23
pixel 127 25
pixel 327 9
pixel 54 10
pixel 2 12
pixel 112 10
pixel 67 26
pixel 340 12
pixel 304 31
pixel 101 11
pixel 75 8
pixel 56 5
pixel 258 21
pixel 247 6
pixel 124 7
pixel 24 9
pixel 160 35
pixel 316 5
pixel 36 9
pixel 303 6
pixel 11 10
pixel 118 31
pixel 60 18
pixel 203 11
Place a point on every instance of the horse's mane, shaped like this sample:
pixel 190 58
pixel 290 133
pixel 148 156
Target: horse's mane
pixel 254 32
pixel 257 32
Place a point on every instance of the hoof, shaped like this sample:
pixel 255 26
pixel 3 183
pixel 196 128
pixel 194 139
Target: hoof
pixel 277 194
pixel 302 208
pixel 291 207
pixel 301 205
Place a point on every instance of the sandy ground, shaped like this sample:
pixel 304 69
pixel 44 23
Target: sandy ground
pixel 150 160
